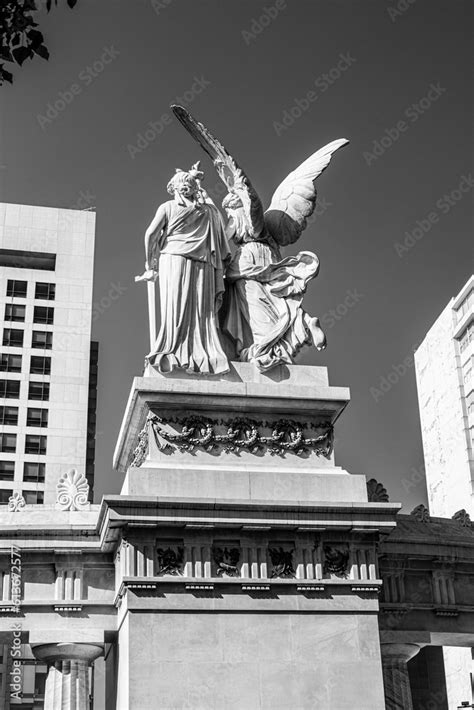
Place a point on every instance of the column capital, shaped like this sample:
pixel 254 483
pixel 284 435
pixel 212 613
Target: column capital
pixel 52 652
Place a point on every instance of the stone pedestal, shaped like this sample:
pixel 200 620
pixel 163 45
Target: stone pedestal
pixel 67 684
pixel 246 567
pixel 395 657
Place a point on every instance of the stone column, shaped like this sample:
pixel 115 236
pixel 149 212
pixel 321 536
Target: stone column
pixel 67 684
pixel 395 657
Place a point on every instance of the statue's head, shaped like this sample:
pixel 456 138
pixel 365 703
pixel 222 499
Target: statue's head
pixel 184 183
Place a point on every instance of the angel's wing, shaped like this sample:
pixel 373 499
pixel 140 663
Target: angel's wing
pixel 230 173
pixel 294 199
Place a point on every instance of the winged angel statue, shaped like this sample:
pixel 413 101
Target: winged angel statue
pixel 262 312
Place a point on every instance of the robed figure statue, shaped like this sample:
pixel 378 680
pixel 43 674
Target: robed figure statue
pixel 263 314
pixel 187 250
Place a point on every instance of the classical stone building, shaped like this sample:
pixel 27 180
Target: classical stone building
pixel 444 371
pixel 240 567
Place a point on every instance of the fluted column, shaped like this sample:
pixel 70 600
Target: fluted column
pixel 67 684
pixel 395 657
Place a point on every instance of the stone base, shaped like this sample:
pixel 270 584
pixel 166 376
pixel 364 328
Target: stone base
pixel 327 486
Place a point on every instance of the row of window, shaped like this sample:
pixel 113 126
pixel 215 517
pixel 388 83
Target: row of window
pixel 13 338
pixel 31 497
pixel 10 389
pixel 34 416
pixel 34 444
pixel 41 314
pixel 466 337
pixel 39 364
pixel 466 305
pixel 33 471
pixel 19 289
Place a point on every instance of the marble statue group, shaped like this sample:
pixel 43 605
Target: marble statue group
pixel 217 305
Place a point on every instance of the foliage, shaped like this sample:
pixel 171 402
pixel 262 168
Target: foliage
pixel 19 37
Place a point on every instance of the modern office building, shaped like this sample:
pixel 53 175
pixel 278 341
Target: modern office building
pixel 444 365
pixel 48 365
pixel 444 372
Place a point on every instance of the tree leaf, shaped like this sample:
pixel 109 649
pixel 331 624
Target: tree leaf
pixel 20 54
pixel 6 54
pixel 5 75
pixel 35 39
pixel 42 51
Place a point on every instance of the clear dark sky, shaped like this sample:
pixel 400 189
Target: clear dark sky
pixel 407 68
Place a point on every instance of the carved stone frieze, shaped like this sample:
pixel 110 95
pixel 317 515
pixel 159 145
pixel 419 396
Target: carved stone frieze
pixel 282 562
pixel 232 435
pixel 226 561
pixel 170 560
pixel 336 561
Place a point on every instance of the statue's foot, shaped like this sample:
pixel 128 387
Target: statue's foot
pixel 317 334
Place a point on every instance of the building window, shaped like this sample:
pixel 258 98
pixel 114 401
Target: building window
pixel 14 312
pixel 39 391
pixel 466 337
pixel 466 305
pixel 35 444
pixel 13 338
pixel 40 365
pixel 33 472
pixel 5 494
pixel 33 497
pixel 16 289
pixel 43 314
pixel 8 443
pixel 36 417
pixel 9 415
pixel 42 340
pixel 47 292
pixel 7 470
pixel 10 389
pixel 10 363
pixel 18 259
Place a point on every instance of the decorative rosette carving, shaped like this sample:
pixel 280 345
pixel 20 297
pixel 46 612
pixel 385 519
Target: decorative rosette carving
pixel 421 513
pixel 463 518
pixel 376 492
pixel 72 491
pixel 16 502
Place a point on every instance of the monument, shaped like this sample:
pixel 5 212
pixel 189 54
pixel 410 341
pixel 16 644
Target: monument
pixel 240 567
pixel 248 558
